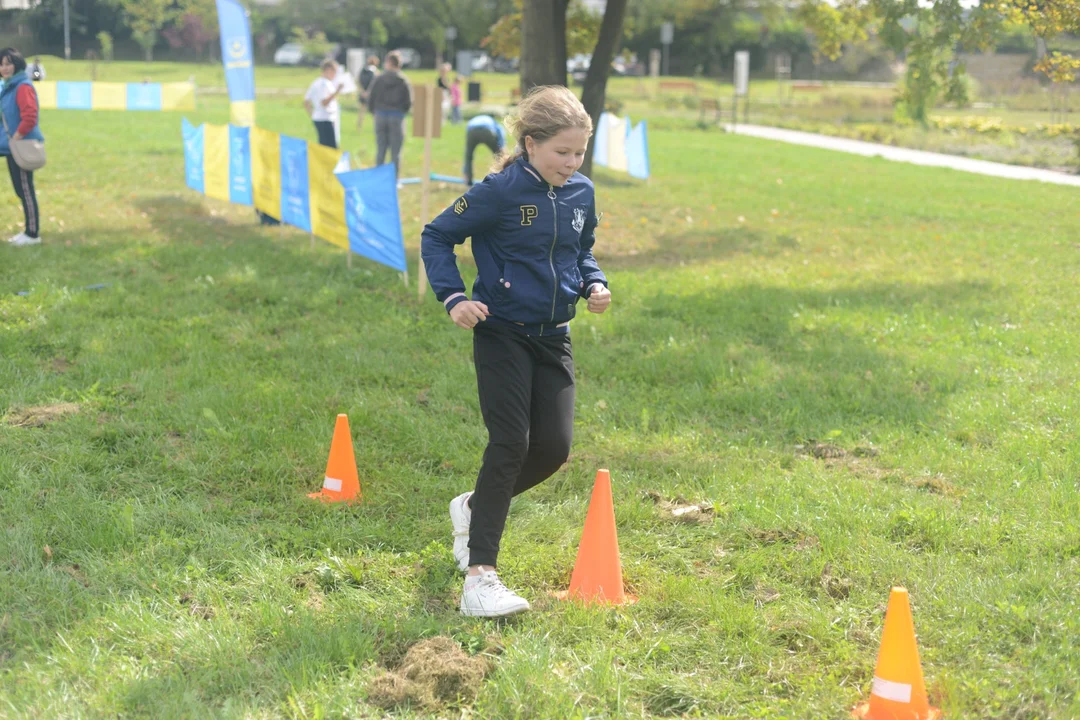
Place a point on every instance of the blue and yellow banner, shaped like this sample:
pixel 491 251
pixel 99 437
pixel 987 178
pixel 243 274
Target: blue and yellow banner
pixel 295 197
pixel 240 190
pixel 153 97
pixel 193 156
pixel 372 215
pixel 266 171
pixel 237 58
pixel 304 185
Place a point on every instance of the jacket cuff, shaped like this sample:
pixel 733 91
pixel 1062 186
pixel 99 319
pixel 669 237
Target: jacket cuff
pixel 587 290
pixel 453 300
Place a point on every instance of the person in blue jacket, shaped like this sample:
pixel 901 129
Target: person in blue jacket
pixel 19 105
pixel 532 227
pixel 482 130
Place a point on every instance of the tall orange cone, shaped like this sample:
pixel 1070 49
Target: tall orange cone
pixel 342 484
pixel 898 692
pixel 597 574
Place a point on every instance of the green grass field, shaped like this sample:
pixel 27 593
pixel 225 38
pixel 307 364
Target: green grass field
pixel 160 558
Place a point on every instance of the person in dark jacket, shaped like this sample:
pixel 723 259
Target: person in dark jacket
pixel 19 105
pixel 532 227
pixel 390 99
pixel 367 77
pixel 481 130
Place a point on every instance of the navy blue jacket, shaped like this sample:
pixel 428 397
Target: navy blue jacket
pixel 532 243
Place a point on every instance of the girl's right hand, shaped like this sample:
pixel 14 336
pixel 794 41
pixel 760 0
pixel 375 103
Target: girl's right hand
pixel 468 313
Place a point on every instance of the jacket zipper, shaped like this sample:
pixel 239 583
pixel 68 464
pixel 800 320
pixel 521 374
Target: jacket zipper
pixel 551 255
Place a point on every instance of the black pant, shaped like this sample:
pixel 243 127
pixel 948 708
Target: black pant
pixel 24 188
pixel 526 389
pixel 478 136
pixel 327 136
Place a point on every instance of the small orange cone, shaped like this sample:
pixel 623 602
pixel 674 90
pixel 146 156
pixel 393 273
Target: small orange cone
pixel 342 484
pixel 898 692
pixel 597 574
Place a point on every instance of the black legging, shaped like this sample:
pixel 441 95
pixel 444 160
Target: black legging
pixel 24 188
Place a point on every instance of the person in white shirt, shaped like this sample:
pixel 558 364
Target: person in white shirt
pixel 322 105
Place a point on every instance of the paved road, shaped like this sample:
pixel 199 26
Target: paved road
pixel 917 157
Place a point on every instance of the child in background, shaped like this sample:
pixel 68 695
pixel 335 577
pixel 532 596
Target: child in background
pixel 455 101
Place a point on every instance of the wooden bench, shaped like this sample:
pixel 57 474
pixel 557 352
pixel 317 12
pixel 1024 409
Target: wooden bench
pixel 686 86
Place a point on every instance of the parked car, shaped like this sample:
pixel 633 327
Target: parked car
pixel 481 62
pixel 410 58
pixel 578 63
pixel 289 54
pixel 505 65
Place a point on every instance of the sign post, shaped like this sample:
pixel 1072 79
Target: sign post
pixel 427 123
pixel 667 34
pixel 742 86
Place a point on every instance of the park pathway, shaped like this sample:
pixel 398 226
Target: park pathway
pixel 899 154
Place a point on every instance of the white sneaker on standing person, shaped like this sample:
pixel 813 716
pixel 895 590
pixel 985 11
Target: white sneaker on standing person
pixel 519 314
pixel 19 105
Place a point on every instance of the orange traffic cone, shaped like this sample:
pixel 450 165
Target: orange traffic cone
pixel 898 692
pixel 598 572
pixel 342 484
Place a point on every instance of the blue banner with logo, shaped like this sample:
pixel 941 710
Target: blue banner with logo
pixel 371 213
pixel 295 199
pixel 193 157
pixel 237 57
pixel 73 95
pixel 240 190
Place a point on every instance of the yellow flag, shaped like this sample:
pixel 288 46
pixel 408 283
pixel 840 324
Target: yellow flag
pixel 216 161
pixel 178 96
pixel 266 171
pixel 108 96
pixel 327 196
pixel 46 93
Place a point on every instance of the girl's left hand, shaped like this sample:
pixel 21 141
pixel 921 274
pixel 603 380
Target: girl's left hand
pixel 17 136
pixel 599 299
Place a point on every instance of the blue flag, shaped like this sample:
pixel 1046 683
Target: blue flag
pixel 144 96
pixel 240 191
pixel 295 199
pixel 193 157
pixel 237 58
pixel 371 213
pixel 637 152
pixel 73 95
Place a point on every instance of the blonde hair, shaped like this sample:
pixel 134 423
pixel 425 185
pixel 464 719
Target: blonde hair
pixel 329 63
pixel 542 114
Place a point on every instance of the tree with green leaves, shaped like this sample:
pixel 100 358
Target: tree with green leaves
pixel 929 32
pixel 147 18
pixel 1049 19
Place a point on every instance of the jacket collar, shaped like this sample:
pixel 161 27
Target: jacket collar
pixel 532 173
pixel 15 80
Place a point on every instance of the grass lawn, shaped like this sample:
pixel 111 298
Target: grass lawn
pixel 868 368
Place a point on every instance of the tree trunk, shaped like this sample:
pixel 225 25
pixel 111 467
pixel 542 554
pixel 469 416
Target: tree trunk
pixel 539 35
pixel 150 53
pixel 593 95
pixel 559 49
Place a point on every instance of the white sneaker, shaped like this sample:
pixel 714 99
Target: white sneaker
pixel 22 240
pixel 484 595
pixel 13 238
pixel 460 519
